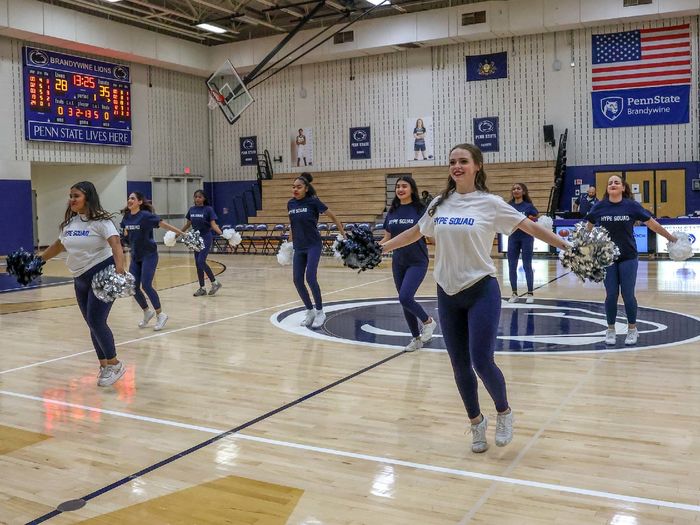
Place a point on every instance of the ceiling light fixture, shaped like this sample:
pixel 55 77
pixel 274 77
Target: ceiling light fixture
pixel 212 28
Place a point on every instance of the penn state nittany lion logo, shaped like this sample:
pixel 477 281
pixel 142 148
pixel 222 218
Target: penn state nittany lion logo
pixel 38 57
pixel 487 68
pixel 611 107
pixel 548 326
pixel 359 135
pixel 485 126
pixel 248 144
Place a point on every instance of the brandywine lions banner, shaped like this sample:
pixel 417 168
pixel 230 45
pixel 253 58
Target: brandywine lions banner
pixel 486 67
pixel 642 77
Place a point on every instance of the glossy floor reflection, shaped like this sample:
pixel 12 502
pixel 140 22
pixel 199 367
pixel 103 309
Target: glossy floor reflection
pixel 225 400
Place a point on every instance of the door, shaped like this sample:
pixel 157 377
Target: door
pixel 670 193
pixel 35 221
pixel 643 188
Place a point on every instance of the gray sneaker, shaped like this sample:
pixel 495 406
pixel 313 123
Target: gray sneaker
pixel 200 292
pixel 414 345
pixel 111 374
pixel 479 443
pixel 632 336
pixel 504 429
pixel 215 287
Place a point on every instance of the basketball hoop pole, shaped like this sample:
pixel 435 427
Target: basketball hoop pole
pixel 250 76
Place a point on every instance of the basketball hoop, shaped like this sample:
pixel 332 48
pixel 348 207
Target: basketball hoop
pixel 215 99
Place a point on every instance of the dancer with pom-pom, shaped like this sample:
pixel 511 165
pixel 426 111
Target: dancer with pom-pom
pixel 410 263
pixel 91 240
pixel 617 212
pixel 463 221
pixel 520 242
pixel 202 218
pixel 138 223
pixel 304 209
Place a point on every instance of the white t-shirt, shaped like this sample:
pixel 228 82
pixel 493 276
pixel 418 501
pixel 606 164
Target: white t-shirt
pixel 463 227
pixel 86 243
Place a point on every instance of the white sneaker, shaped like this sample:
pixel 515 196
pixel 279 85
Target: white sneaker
pixel 147 316
pixel 319 319
pixel 504 429
pixel 215 287
pixel 530 299
pixel 513 298
pixel 200 292
pixel 309 317
pixel 479 443
pixel 100 373
pixel 414 345
pixel 428 329
pixel 610 337
pixel 111 374
pixel 160 321
pixel 632 336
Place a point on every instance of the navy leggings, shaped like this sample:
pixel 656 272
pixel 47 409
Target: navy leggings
pixel 95 312
pixel 407 280
pixel 200 260
pixel 144 271
pixel 469 322
pixel 306 261
pixel 621 275
pixel 516 245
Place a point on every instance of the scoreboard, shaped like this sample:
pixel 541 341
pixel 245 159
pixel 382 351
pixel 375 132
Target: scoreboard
pixel 75 99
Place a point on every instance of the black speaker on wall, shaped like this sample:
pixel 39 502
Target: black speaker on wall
pixel 548 131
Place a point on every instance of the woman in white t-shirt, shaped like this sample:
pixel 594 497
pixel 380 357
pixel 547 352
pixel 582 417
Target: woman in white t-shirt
pixel 91 240
pixel 463 221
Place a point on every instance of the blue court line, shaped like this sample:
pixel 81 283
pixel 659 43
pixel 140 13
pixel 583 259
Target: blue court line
pixel 216 438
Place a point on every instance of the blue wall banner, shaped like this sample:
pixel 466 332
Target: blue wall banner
pixel 360 143
pixel 641 107
pixel 486 67
pixel 641 77
pixel 249 151
pixel 486 133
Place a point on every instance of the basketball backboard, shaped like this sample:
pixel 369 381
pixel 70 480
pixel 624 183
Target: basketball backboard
pixel 227 91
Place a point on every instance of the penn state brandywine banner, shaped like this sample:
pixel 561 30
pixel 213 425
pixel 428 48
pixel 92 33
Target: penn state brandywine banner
pixel 249 151
pixel 486 133
pixel 641 77
pixel 360 143
pixel 486 67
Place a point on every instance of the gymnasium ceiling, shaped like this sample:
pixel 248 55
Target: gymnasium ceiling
pixel 243 19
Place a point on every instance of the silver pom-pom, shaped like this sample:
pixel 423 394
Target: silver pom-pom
pixel 193 240
pixel 682 249
pixel 108 285
pixel 336 247
pixel 590 254
pixel 285 255
pixel 546 222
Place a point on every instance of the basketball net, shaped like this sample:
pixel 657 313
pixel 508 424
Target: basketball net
pixel 215 99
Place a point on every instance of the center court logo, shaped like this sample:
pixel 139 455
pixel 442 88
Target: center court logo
pixel 548 326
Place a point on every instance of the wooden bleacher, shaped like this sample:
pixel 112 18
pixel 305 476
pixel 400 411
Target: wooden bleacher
pixel 360 195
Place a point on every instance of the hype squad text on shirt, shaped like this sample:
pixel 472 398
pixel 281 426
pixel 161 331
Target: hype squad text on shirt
pixel 132 227
pixel 298 210
pixel 197 215
pixel 77 233
pixel 457 221
pixel 401 221
pixel 615 218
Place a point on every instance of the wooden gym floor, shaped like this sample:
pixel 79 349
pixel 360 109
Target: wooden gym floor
pixel 225 418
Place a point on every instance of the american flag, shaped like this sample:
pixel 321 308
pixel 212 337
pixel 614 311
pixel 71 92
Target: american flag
pixel 642 58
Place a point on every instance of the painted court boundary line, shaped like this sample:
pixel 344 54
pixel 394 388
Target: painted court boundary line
pixel 341 453
pixel 168 332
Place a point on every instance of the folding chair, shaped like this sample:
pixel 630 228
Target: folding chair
pixel 240 228
pixel 277 236
pixel 247 237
